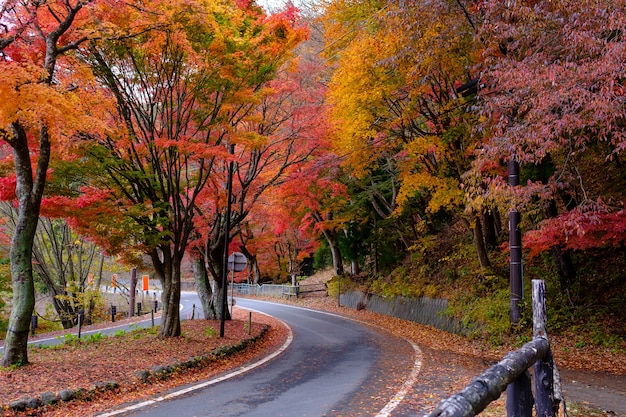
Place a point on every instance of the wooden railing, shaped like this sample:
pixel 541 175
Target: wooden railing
pixel 511 374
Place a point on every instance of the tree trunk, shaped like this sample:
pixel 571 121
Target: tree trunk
pixel 62 307
pixel 29 193
pixel 168 272
pixel 256 272
pixel 96 288
pixel 489 229
pixel 253 265
pixel 217 301
pixel 355 269
pixel 170 318
pixel 565 267
pixel 333 244
pixel 215 263
pixel 15 344
pixel 374 252
pixel 479 243
pixel 497 222
pixel 562 259
pixel 203 287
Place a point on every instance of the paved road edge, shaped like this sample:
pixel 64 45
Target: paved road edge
pixel 208 382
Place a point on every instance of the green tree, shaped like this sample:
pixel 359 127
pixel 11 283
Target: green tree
pixel 62 261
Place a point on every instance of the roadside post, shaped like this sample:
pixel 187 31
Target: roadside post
pixel 515 248
pixel 81 320
pixel 229 196
pixel 133 285
pixel 237 262
pixel 33 324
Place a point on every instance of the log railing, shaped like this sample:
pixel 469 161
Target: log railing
pixel 511 374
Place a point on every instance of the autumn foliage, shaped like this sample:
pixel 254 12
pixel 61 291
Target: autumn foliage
pixel 370 131
pixel 429 101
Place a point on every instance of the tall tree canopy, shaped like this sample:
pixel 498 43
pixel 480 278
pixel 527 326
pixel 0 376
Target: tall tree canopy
pixel 553 98
pixel 399 120
pixel 45 104
pixel 185 78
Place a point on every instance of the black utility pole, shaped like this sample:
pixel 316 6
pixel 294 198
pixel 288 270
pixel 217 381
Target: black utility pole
pixel 515 249
pixel 231 150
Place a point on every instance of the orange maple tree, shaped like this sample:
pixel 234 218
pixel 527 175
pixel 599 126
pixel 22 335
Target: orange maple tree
pixel 400 119
pixel 186 88
pixel 46 103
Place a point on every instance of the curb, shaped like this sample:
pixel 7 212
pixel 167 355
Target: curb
pixel 145 376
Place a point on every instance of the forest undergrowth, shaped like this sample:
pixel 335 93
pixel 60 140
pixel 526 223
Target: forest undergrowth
pixel 588 310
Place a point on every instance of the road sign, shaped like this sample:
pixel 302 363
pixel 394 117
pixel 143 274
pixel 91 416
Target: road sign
pixel 145 281
pixel 237 262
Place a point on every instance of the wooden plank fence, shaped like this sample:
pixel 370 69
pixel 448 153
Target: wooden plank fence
pixel 511 374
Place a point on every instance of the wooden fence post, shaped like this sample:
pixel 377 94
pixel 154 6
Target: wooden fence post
pixel 519 397
pixel 488 386
pixel 547 383
pixel 511 374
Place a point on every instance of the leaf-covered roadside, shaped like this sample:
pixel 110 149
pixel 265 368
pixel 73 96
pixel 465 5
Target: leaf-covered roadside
pixel 449 362
pixel 118 358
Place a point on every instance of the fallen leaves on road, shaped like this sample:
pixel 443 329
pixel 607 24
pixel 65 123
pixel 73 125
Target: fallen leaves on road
pixel 449 361
pixel 565 347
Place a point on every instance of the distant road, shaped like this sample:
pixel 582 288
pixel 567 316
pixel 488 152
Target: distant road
pixel 333 367
pixel 189 307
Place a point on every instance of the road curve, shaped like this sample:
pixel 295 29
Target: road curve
pixel 333 367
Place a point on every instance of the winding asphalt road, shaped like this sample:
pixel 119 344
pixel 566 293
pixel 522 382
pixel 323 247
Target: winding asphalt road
pixel 331 366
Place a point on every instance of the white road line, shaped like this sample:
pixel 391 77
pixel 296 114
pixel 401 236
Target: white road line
pixel 408 384
pixel 209 382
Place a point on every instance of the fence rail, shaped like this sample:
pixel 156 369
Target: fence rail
pixel 277 290
pixel 511 374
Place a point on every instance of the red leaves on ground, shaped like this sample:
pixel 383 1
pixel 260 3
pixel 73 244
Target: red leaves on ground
pixel 118 358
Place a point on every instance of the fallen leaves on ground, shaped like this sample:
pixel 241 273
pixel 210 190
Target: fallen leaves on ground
pixel 565 347
pixel 117 358
pixel 449 361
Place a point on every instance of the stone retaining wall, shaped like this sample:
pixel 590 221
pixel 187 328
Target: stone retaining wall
pixel 427 311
